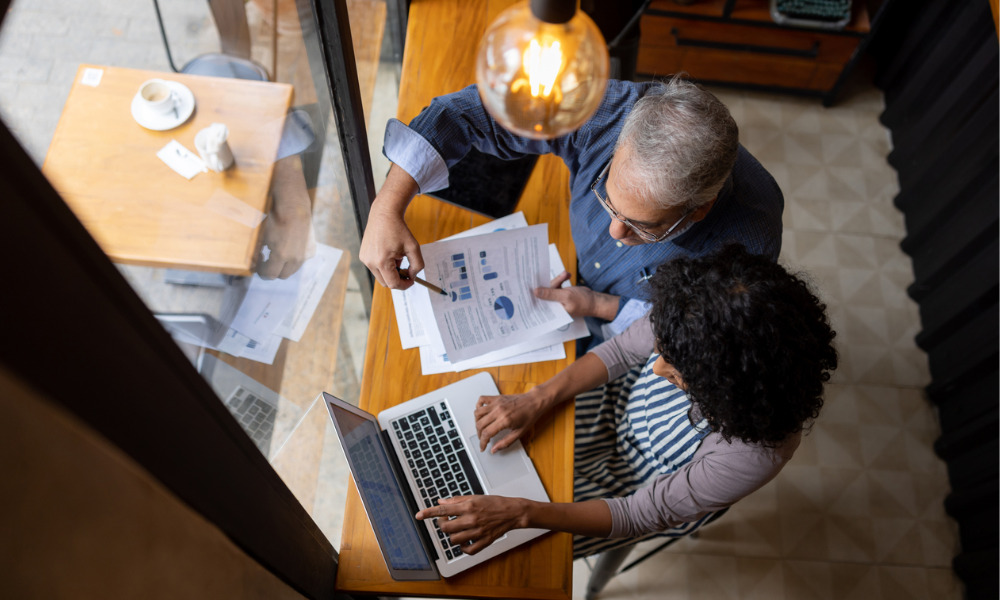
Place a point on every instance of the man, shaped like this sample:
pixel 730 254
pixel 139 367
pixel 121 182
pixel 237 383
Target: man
pixel 658 167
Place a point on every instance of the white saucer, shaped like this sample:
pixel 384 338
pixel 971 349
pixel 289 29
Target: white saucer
pixel 157 122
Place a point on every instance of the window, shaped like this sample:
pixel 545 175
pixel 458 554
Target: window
pixel 194 242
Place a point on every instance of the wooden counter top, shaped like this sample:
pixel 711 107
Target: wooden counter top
pixel 440 50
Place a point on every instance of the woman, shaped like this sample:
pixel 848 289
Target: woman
pixel 732 359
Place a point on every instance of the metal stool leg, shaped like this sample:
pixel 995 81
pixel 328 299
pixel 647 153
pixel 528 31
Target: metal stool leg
pixel 606 568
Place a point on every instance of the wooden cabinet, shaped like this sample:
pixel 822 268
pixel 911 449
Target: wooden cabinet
pixel 736 42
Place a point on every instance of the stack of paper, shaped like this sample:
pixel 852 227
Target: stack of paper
pixel 490 316
pixel 258 314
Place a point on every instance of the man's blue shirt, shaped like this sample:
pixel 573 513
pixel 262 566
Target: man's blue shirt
pixel 747 211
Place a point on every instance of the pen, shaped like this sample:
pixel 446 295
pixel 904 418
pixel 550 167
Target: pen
pixel 426 284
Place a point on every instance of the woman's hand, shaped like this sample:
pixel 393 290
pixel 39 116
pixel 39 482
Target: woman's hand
pixel 475 522
pixel 478 520
pixel 516 413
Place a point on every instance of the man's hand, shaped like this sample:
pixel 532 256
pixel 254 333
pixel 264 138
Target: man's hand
pixel 387 239
pixel 579 301
pixel 288 232
pixel 290 242
pixel 479 520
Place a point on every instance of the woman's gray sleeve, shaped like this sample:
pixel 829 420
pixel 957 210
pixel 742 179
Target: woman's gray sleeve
pixel 718 475
pixel 630 348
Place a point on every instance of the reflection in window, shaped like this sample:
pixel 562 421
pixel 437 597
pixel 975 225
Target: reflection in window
pixel 269 339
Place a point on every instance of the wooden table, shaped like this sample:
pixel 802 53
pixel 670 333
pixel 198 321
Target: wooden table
pixel 438 60
pixel 104 165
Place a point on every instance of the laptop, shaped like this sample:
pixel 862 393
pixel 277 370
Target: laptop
pixel 421 450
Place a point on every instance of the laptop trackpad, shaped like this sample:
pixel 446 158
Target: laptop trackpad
pixel 502 468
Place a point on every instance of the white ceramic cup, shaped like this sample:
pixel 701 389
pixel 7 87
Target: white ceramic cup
pixel 158 97
pixel 212 144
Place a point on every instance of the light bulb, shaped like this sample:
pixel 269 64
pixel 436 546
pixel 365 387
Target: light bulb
pixel 540 79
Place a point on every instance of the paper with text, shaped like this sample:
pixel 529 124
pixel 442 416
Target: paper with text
pixel 413 306
pixel 490 280
pixel 272 310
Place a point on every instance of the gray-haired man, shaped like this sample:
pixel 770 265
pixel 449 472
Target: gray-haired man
pixel 656 173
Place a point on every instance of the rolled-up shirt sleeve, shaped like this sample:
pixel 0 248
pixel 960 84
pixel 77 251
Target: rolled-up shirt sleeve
pixel 629 311
pixel 453 124
pixel 415 155
pixel 719 474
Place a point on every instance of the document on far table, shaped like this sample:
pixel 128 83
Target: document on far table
pixel 490 281
pixel 270 310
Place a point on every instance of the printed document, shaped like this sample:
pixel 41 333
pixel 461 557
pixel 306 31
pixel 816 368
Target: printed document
pixel 413 305
pixel 490 280
pixel 269 310
pixel 415 320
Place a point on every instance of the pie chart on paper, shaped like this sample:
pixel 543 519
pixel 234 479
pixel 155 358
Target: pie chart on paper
pixel 503 307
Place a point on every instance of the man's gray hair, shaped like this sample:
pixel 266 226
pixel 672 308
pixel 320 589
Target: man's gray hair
pixel 680 144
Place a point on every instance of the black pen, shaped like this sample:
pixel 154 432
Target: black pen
pixel 426 284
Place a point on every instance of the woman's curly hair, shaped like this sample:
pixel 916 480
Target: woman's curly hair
pixel 751 341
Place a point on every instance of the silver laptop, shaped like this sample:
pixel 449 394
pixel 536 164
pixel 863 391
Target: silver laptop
pixel 422 450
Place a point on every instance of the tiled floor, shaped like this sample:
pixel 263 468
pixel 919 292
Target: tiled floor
pixel 859 512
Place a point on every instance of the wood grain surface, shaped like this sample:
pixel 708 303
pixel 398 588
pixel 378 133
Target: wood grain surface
pixel 440 50
pixel 104 165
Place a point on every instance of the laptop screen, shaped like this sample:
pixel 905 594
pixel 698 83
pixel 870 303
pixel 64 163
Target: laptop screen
pixel 391 518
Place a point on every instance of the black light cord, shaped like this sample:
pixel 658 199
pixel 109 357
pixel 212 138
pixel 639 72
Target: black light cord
pixel 631 23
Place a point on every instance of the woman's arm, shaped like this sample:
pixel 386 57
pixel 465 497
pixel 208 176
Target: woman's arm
pixel 479 520
pixel 518 413
pixel 627 349
pixel 720 474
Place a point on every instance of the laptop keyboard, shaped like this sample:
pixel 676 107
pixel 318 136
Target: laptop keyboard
pixel 438 461
pixel 255 415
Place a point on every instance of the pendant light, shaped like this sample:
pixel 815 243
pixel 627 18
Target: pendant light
pixel 541 68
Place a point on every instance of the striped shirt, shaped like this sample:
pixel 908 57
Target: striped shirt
pixel 710 476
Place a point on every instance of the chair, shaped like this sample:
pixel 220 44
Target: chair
pixel 234 62
pixel 608 562
pixel 234 37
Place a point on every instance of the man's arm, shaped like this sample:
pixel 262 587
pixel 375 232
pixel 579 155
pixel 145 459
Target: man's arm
pixel 387 239
pixel 288 232
pixel 421 154
pixel 440 136
pixel 579 301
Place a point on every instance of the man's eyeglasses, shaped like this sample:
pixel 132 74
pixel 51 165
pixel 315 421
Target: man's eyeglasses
pixel 639 231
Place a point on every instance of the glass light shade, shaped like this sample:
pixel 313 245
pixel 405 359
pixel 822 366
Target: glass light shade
pixel 541 80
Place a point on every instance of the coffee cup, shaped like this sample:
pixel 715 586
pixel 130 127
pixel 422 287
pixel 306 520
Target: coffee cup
pixel 159 97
